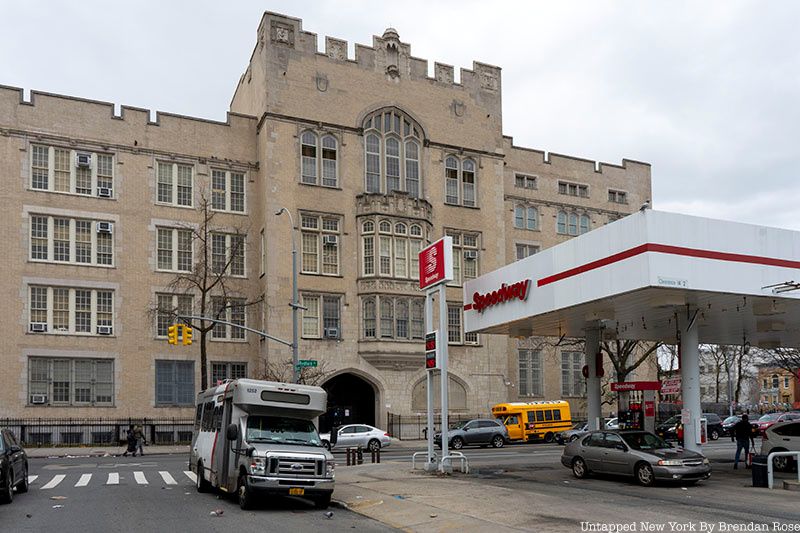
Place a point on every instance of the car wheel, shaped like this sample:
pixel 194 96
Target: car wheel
pixel 22 488
pixel 322 502
pixel 781 463
pixel 579 469
pixel 201 484
pixel 457 443
pixel 244 493
pixel 573 438
pixel 374 445
pixel 644 474
pixel 548 437
pixel 714 434
pixel 7 496
pixel 326 445
pixel 498 441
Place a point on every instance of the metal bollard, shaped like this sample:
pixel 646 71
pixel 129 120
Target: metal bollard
pixel 360 456
pixel 347 451
pixel 376 456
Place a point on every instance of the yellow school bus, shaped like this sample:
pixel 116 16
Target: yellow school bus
pixel 532 421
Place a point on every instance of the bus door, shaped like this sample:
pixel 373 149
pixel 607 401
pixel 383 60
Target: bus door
pixel 227 464
pixel 514 426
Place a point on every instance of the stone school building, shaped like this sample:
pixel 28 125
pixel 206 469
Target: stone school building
pixel 372 156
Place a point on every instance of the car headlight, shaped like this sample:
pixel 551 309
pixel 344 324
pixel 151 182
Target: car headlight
pixel 670 462
pixel 330 468
pixel 706 461
pixel 257 465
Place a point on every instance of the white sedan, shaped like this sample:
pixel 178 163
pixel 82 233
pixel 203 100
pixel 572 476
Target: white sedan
pixel 355 435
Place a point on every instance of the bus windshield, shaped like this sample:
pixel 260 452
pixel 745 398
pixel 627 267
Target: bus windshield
pixel 281 430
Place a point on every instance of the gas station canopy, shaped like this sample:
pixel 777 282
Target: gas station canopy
pixel 635 276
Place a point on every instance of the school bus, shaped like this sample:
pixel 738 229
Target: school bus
pixel 533 421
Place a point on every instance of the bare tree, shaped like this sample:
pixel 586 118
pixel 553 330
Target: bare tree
pixel 785 358
pixel 210 279
pixel 628 355
pixel 282 372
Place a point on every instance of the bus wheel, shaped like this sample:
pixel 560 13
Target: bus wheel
pixel 244 493
pixel 201 484
pixel 548 437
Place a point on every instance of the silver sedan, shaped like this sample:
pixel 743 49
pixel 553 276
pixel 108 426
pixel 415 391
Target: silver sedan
pixel 640 454
pixel 355 435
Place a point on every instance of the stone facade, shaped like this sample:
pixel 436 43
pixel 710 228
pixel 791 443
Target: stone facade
pixel 368 154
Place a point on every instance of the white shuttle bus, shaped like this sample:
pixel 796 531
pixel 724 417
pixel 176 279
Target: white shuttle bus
pixel 259 437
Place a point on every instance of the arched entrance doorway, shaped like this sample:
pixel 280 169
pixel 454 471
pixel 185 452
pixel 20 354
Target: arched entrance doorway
pixel 351 399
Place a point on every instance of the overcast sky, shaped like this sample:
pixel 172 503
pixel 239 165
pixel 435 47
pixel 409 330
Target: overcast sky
pixel 707 92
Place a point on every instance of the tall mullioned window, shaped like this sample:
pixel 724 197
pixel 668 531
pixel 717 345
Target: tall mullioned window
pixel 572 382
pixel 460 181
pixel 571 223
pixel 319 159
pixel 392 149
pixel 466 254
pixel 320 244
pixel 390 247
pixel 392 317
pixel 227 191
pixel 530 373
pixel 175 184
pixel 64 170
pixel 71 240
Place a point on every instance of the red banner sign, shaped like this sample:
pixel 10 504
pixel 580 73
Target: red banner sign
pixel 635 385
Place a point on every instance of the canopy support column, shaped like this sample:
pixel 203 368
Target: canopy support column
pixel 593 361
pixel 690 379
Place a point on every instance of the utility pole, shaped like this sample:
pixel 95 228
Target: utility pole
pixel 295 305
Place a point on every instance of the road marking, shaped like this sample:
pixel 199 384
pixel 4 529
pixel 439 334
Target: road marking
pixel 140 479
pixel 31 479
pixel 168 479
pixel 84 480
pixel 191 475
pixel 54 482
pixel 113 478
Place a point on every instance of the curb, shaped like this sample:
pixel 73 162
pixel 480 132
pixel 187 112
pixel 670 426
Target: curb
pixel 93 454
pixel 340 505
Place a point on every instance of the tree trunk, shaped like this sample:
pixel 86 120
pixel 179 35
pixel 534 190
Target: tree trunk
pixel 203 361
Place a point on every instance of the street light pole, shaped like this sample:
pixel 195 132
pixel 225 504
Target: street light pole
pixel 295 305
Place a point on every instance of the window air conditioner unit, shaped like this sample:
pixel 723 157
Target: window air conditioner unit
pixel 38 399
pixel 470 254
pixel 38 327
pixel 104 192
pixel 105 227
pixel 105 330
pixel 330 239
pixel 331 333
pixel 83 160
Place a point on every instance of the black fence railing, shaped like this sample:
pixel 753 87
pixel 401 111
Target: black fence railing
pixel 41 432
pixel 415 427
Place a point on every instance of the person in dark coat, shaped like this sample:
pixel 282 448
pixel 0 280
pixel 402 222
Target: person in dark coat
pixel 743 433
pixel 131 443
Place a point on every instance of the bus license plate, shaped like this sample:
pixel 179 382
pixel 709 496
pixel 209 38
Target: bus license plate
pixel 296 492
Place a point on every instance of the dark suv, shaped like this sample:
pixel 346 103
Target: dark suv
pixel 479 432
pixel 668 430
pixel 13 467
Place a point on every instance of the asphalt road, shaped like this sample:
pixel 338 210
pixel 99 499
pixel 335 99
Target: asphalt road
pixel 150 494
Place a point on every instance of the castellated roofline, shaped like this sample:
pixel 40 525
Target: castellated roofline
pixel 557 160
pixel 276 29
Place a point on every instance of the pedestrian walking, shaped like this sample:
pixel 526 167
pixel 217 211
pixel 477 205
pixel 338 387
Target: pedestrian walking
pixel 130 442
pixel 138 434
pixel 743 433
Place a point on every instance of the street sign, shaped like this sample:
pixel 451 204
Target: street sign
pixel 436 263
pixel 635 385
pixel 671 386
pixel 430 350
pixel 307 363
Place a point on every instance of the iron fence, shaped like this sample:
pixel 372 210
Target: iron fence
pixel 414 427
pixel 45 432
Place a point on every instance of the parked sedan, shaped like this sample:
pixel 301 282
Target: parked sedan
pixel 355 435
pixel 640 454
pixel 728 423
pixel 13 467
pixel 572 434
pixel 479 432
pixel 768 420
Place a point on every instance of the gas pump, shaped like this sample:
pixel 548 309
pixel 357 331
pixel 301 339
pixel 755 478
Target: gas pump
pixel 639 410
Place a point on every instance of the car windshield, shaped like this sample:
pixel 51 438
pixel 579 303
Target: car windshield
pixel 769 417
pixel 281 430
pixel 672 420
pixel 579 425
pixel 732 420
pixel 644 441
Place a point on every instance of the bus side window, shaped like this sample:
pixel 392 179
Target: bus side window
pixel 548 414
pixel 540 416
pixel 197 415
pixel 217 418
pixel 556 414
pixel 512 420
pixel 208 413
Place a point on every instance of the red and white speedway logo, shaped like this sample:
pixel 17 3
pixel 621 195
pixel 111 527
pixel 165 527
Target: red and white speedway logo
pixel 505 293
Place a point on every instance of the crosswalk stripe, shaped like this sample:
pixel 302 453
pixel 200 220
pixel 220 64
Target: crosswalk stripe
pixel 140 479
pixel 191 475
pixel 168 479
pixel 84 480
pixel 113 478
pixel 31 479
pixel 54 482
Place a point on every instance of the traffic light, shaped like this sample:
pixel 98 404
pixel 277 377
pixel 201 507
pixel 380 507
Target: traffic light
pixel 187 335
pixel 172 334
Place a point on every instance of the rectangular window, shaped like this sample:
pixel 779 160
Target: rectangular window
pixel 320 244
pixel 387 317
pixel 524 182
pixel 368 245
pixel 227 191
pixel 227 254
pixel 397 318
pixel 530 373
pixel 524 250
pixel 71 381
pixel 572 382
pixel 573 189
pixel 175 383
pixel 168 306
pixel 71 310
pixel 71 172
pixel 617 197
pixel 223 371
pixel 174 249
pixel 322 319
pixel 175 184
pixel 454 324
pixel 233 310
pixel 466 253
